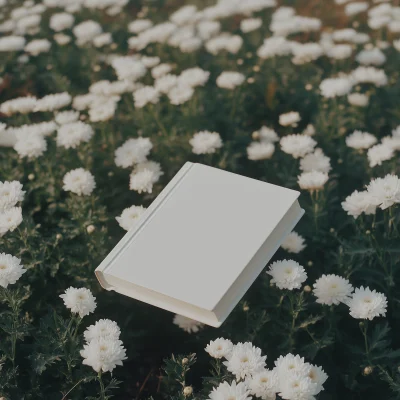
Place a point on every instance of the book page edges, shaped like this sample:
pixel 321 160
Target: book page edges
pixel 144 219
pixel 230 298
pixel 253 269
pixel 110 282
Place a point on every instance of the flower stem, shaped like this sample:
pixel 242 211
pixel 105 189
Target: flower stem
pixel 102 391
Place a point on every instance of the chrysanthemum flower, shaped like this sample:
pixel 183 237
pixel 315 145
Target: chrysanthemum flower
pixel 11 269
pixel 287 274
pixel 245 360
pixel 79 300
pixel 332 289
pixel 79 181
pixel 103 354
pixel 130 216
pixel 187 324
pixel 219 348
pixel 367 304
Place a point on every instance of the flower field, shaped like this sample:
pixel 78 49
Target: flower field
pixel 103 101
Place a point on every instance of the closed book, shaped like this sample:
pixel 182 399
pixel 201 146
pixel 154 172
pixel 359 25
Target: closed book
pixel 202 242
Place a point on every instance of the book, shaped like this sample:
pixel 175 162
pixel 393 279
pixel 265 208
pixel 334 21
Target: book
pixel 202 242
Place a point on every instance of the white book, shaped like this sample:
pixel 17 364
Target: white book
pixel 201 244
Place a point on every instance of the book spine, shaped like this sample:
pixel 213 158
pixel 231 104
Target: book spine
pixel 144 219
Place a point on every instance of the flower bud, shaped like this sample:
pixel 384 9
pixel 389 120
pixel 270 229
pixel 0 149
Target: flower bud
pixel 58 236
pixel 307 288
pixel 31 177
pixel 90 229
pixel 187 391
pixel 368 370
pixel 185 361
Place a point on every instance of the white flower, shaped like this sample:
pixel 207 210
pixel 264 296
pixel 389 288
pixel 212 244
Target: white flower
pixel 53 102
pixel 318 376
pixel 340 51
pixel 264 384
pixel 367 304
pixel 306 52
pixel 379 153
pixel 293 243
pixel 287 274
pixel 130 216
pixel 61 21
pixel 313 180
pixel 79 300
pixel 392 142
pixel 128 68
pixel 205 142
pixel 274 46
pixel 11 193
pixel 83 101
pixel 139 25
pixel 103 112
pixel 31 146
pixel 355 8
pixel 297 145
pixel 360 140
pixel 316 161
pixel 291 364
pixel 12 43
pixel 165 83
pixel 104 328
pixel 219 348
pixel 332 289
pixel 358 99
pixel 385 191
pixel 133 151
pixel 79 181
pixel 86 31
pixel 245 360
pixel 180 94
pixel 190 45
pixel 207 29
pixel 226 391
pixel 66 117
pixel 40 129
pixel 72 134
pixel 358 203
pixel 260 150
pixel 297 387
pixel 146 95
pixel 194 77
pixel 103 39
pixel 22 105
pixel 370 75
pixel 10 219
pixel 103 354
pixel 289 119
pixel 333 87
pixel 10 269
pixel 37 46
pixel 371 57
pixel 250 24
pixel 184 15
pixel 61 39
pixel 142 181
pixel 187 324
pixel 265 134
pixel 230 80
pixel 161 70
